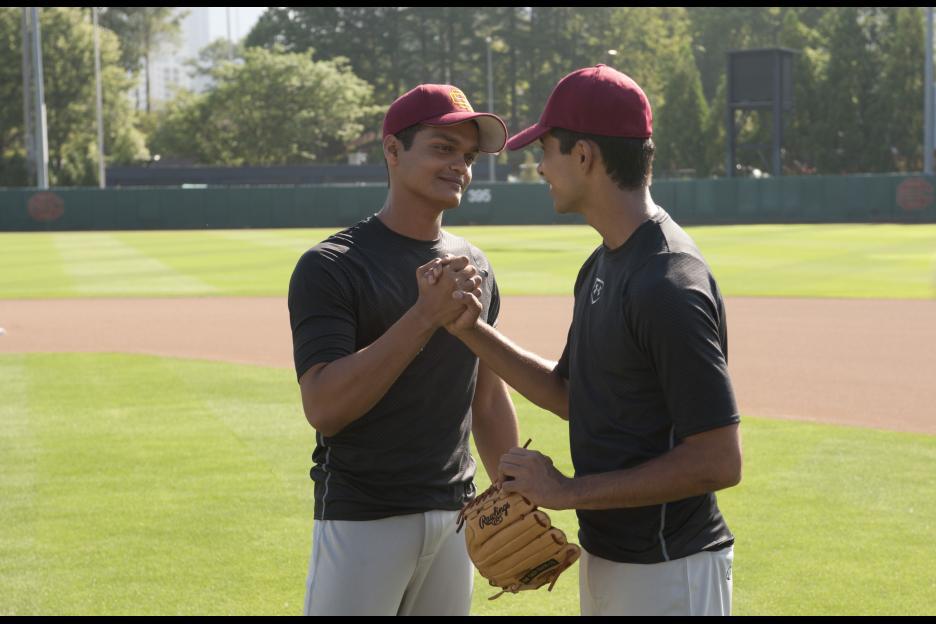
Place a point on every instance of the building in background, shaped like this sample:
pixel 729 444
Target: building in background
pixel 200 27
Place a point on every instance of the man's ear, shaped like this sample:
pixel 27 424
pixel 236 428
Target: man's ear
pixel 584 153
pixel 391 149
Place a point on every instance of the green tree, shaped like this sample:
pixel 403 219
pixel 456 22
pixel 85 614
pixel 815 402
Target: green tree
pixel 902 87
pixel 800 146
pixel 371 38
pixel 715 131
pixel 68 64
pixel 396 48
pixel 142 31
pixel 714 32
pixel 680 123
pixel 275 108
pixel 12 150
pixel 851 126
pixel 717 30
pixel 857 72
pixel 213 55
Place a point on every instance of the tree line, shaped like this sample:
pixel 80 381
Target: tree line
pixel 310 84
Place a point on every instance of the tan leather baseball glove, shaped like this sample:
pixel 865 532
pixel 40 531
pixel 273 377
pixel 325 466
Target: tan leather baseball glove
pixel 512 543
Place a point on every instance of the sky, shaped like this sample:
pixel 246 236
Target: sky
pixel 242 20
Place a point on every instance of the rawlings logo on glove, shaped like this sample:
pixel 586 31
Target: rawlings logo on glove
pixel 495 518
pixel 512 543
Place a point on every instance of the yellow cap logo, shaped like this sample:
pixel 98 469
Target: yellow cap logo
pixel 460 101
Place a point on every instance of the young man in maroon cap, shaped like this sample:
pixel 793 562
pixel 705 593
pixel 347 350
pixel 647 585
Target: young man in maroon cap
pixel 643 379
pixel 392 395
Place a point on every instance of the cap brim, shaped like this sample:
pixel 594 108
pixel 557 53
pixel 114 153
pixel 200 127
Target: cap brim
pixel 524 138
pixel 492 131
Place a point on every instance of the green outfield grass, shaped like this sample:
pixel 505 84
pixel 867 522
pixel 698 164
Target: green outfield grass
pixel 143 485
pixel 878 261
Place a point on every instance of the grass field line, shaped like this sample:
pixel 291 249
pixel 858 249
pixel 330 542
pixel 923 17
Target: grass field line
pixel 102 264
pixel 278 239
pixel 855 261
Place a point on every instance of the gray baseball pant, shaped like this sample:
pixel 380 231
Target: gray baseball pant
pixel 696 585
pixel 404 565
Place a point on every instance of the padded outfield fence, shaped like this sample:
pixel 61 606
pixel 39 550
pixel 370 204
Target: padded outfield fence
pixel 803 199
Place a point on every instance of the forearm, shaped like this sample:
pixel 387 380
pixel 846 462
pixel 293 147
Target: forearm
pixel 342 391
pixel 495 429
pixel 652 483
pixel 529 374
pixel 681 473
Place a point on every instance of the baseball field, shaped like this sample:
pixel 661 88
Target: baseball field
pixel 154 458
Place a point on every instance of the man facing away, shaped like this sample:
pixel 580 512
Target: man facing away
pixel 392 395
pixel 643 379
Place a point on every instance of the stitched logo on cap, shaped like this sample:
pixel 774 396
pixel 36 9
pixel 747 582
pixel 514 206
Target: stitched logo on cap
pixel 460 101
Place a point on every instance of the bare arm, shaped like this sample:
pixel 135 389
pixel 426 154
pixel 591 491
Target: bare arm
pixel 332 393
pixel 705 462
pixel 529 374
pixel 494 421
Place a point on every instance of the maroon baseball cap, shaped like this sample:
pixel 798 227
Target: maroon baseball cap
pixel 444 105
pixel 593 100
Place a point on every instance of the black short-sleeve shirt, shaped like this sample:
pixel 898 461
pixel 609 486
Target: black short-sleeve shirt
pixel 646 361
pixel 410 453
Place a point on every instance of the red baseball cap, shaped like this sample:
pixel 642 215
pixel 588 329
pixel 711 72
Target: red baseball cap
pixel 444 105
pixel 593 100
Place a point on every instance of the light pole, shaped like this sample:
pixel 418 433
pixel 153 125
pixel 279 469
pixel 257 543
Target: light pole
pixel 42 138
pixel 230 41
pixel 928 97
pixel 492 176
pixel 102 181
pixel 29 134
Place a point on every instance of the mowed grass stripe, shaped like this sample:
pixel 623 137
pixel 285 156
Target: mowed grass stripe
pixel 172 486
pixel 855 261
pixel 20 566
pixel 30 266
pixel 277 239
pixel 832 520
pixel 103 264
pixel 534 260
pixel 233 267
pixel 147 502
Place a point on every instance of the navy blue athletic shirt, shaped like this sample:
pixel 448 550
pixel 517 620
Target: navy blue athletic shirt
pixel 646 360
pixel 410 453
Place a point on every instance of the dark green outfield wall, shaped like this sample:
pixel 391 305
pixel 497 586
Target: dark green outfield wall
pixel 812 199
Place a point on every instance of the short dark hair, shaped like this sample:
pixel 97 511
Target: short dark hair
pixel 407 135
pixel 629 162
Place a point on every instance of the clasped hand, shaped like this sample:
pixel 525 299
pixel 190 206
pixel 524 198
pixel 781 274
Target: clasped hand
pixel 450 292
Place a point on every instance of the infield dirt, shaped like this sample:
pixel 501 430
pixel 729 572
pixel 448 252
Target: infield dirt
pixel 857 362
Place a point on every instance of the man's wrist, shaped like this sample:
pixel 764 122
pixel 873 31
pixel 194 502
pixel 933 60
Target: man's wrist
pixel 424 322
pixel 463 332
pixel 568 493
